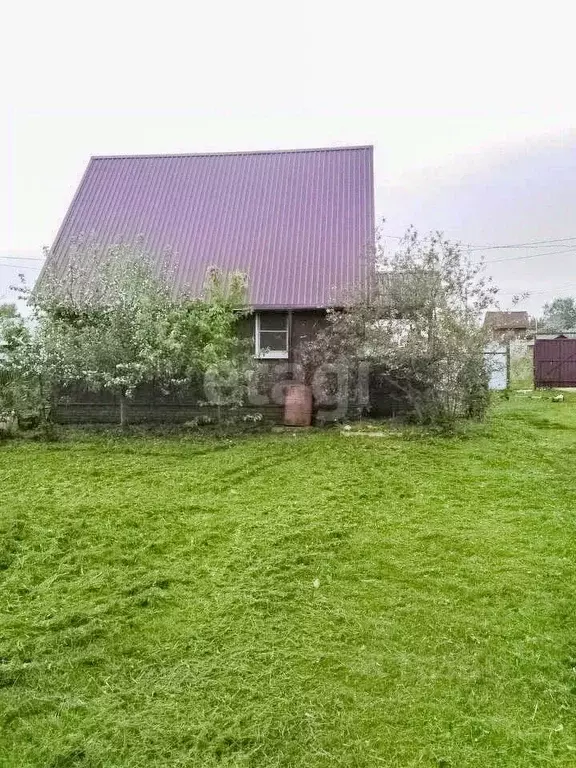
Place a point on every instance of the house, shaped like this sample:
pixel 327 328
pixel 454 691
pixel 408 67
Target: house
pixel 505 326
pixel 298 223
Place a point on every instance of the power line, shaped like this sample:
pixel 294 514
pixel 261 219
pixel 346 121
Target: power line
pixel 471 247
pixel 24 258
pixel 532 244
pixel 550 243
pixel 20 266
pixel 544 290
pixel 530 256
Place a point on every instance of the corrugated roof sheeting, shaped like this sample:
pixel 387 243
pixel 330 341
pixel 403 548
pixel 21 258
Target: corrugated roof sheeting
pixel 299 223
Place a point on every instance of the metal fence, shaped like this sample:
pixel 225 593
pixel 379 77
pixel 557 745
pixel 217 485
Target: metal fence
pixel 497 359
pixel 555 363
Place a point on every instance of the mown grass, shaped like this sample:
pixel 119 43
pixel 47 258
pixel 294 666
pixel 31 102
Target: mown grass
pixel 308 600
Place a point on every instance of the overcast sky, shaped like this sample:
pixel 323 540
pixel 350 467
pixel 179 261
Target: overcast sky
pixel 471 108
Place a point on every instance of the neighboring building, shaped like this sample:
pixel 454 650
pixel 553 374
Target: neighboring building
pixel 506 326
pixel 298 223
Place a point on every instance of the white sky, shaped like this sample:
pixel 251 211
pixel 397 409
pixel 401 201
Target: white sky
pixel 471 108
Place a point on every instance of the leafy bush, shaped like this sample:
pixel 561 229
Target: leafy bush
pixel 115 328
pixel 416 318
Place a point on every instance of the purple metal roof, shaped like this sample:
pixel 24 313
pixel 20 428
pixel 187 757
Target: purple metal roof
pixel 299 223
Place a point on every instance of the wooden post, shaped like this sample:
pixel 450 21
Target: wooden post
pixel 122 410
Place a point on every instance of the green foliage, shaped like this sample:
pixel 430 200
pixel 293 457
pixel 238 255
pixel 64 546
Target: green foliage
pixel 418 320
pixel 559 315
pixel 24 367
pixel 112 322
pixel 8 310
pixel 521 366
pixel 305 601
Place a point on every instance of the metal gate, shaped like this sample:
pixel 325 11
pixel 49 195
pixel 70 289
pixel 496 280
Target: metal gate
pixel 497 360
pixel 555 363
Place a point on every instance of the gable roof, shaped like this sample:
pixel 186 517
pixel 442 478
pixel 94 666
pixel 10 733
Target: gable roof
pixel 506 320
pixel 299 223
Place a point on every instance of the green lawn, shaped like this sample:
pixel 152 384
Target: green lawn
pixel 292 600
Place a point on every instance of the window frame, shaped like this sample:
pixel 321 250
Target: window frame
pixel 272 354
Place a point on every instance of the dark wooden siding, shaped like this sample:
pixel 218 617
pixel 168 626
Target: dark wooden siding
pixel 303 327
pixel 79 405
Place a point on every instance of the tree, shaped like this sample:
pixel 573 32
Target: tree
pixel 559 315
pixel 8 310
pixel 120 326
pixel 416 321
pixel 24 369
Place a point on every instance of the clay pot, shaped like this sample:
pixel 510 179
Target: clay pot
pixel 298 406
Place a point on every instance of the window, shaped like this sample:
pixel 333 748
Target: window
pixel 272 331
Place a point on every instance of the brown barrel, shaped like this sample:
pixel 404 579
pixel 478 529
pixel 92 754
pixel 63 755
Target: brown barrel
pixel 298 406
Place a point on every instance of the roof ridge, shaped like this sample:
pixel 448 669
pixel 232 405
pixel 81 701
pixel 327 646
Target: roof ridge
pixel 228 154
pixel 506 311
